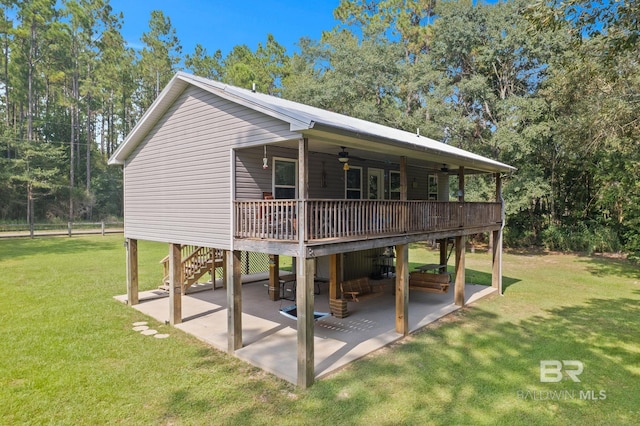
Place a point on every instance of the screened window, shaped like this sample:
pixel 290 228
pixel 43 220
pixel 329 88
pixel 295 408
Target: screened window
pixel 433 187
pixel 394 185
pixel 353 183
pixel 285 177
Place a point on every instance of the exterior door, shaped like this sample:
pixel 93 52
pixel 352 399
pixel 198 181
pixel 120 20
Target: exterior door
pixel 375 184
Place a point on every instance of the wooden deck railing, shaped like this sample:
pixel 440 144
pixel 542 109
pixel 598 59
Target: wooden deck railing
pixel 276 219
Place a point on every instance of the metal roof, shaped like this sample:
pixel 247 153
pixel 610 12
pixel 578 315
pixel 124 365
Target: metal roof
pixel 310 121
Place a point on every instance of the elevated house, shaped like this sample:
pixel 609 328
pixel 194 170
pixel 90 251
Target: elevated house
pixel 215 170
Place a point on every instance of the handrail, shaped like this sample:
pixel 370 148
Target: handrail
pixel 331 218
pixel 192 258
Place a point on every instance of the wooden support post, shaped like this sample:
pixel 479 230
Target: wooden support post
pixel 402 289
pixel 175 284
pixel 234 300
pixel 274 277
pixel 403 193
pixel 335 267
pixel 403 178
pixel 337 305
pixel 462 217
pixel 444 246
pixel 224 269
pixel 458 296
pixel 305 273
pixel 496 272
pixel 461 184
pixel 132 271
pixel 69 228
pixel 496 246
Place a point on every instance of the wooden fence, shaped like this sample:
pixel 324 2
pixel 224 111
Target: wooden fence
pixel 57 229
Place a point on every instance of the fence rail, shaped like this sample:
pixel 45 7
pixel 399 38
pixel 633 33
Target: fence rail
pixel 13 230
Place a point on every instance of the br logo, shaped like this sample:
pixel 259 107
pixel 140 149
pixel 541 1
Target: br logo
pixel 551 370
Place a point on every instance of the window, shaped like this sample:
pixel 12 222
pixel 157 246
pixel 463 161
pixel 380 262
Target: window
pixel 353 183
pixel 394 185
pixel 375 183
pixel 433 187
pixel 285 177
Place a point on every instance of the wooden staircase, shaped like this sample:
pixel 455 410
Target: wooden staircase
pixel 196 262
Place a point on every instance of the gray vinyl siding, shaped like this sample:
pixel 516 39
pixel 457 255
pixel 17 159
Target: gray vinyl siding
pixel 356 264
pixel 252 179
pixel 178 180
pixel 362 263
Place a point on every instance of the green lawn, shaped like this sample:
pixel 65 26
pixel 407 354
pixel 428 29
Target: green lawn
pixel 69 355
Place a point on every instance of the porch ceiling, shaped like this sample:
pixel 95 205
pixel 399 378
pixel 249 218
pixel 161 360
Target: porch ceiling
pixel 369 149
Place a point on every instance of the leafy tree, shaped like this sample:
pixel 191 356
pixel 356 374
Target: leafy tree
pixel 159 59
pixel 205 65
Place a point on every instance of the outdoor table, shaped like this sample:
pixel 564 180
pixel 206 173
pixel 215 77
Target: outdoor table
pixel 435 267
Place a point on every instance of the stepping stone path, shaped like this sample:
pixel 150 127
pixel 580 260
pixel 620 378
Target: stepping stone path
pixel 144 329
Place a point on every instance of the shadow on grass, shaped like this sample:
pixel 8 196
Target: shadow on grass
pixel 601 266
pixel 454 373
pixel 473 367
pixel 527 251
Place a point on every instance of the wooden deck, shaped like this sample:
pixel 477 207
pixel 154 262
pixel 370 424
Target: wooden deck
pixel 341 220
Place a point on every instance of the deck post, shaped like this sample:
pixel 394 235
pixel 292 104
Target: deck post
pixel 496 246
pixel 337 305
pixel 305 272
pixel 234 299
pixel 496 272
pixel 132 271
pixel 403 193
pixel 402 289
pixel 274 277
pixel 175 284
pixel 443 253
pixel 224 269
pixel 458 296
pixel 334 275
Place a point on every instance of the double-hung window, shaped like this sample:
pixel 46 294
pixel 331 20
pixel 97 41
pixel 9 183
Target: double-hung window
pixel 353 183
pixel 285 177
pixel 394 185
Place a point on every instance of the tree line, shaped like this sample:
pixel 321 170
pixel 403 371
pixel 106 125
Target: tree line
pixel 550 87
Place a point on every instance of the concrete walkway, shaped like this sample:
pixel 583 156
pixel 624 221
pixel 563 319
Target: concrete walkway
pixel 269 338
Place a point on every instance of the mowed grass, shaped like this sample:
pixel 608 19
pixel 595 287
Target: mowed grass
pixel 69 355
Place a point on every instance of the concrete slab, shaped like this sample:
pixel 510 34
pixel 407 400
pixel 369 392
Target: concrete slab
pixel 270 339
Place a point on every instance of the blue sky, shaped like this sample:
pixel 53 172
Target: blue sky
pixel 218 24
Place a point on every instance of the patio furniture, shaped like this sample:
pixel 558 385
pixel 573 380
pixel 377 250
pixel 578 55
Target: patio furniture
pixel 433 283
pixel 435 267
pixel 360 288
pixel 288 286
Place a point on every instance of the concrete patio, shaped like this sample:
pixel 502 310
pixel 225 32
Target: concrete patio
pixel 269 338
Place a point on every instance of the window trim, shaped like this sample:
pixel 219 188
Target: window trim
pixel 346 189
pixel 273 175
pixel 391 191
